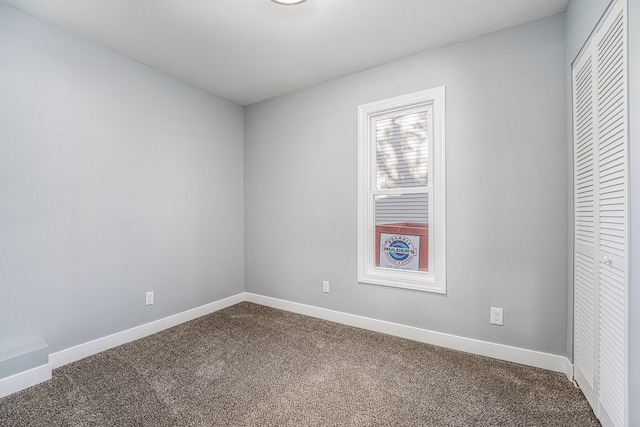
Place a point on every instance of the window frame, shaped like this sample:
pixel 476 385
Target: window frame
pixel 433 280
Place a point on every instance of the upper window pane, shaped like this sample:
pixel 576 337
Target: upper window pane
pixel 402 147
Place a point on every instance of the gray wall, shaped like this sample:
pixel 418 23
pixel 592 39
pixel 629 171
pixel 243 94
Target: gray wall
pixel 115 179
pixel 582 16
pixel 506 190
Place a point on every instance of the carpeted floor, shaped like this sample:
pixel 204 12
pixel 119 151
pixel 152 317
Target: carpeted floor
pixel 250 365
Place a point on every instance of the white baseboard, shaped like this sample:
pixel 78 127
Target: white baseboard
pixel 81 351
pixel 483 348
pixel 34 376
pixel 42 373
pixel 22 380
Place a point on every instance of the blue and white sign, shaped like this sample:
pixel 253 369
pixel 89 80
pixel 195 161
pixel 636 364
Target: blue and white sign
pixel 399 251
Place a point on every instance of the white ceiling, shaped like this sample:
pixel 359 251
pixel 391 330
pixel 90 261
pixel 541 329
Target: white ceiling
pixel 251 50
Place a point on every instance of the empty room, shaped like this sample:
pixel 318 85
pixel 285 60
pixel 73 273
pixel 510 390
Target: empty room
pixel 319 213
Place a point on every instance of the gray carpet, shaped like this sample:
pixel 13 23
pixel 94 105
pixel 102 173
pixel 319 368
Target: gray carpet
pixel 250 365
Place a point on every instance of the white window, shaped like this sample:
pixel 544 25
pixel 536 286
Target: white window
pixel 401 206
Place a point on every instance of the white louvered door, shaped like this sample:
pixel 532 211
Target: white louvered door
pixel 585 269
pixel 612 138
pixel 601 174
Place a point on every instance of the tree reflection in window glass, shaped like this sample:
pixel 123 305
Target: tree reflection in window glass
pixel 402 151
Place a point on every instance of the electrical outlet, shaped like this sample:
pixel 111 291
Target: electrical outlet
pixel 149 298
pixel 325 286
pixel 497 316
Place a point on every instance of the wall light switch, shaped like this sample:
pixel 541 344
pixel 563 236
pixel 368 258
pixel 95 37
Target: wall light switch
pixel 325 286
pixel 149 298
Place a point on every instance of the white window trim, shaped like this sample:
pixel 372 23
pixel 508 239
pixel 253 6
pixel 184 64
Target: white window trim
pixel 434 280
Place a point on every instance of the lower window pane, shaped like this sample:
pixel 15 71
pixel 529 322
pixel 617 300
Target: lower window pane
pixel 402 231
